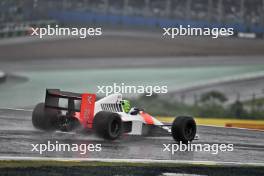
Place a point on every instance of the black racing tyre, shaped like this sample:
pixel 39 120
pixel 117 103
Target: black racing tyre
pixel 44 118
pixel 183 129
pixel 108 125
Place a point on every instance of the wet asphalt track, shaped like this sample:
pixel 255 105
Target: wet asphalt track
pixel 17 134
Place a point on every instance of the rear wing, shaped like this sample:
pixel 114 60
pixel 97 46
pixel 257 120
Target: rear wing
pixel 54 99
pixel 73 103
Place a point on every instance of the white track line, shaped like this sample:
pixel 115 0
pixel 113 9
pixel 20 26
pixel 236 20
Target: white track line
pixel 3 158
pixel 231 128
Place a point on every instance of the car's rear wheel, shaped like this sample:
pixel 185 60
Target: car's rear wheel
pixel 44 118
pixel 108 125
pixel 183 129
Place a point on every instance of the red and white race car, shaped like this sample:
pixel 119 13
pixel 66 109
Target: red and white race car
pixel 106 117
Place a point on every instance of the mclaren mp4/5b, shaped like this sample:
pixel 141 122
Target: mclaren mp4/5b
pixel 109 117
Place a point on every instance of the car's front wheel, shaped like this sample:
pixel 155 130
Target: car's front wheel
pixel 108 125
pixel 183 129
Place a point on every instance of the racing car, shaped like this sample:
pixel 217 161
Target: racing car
pixel 109 117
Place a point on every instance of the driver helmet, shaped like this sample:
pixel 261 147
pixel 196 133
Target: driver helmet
pixel 126 106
